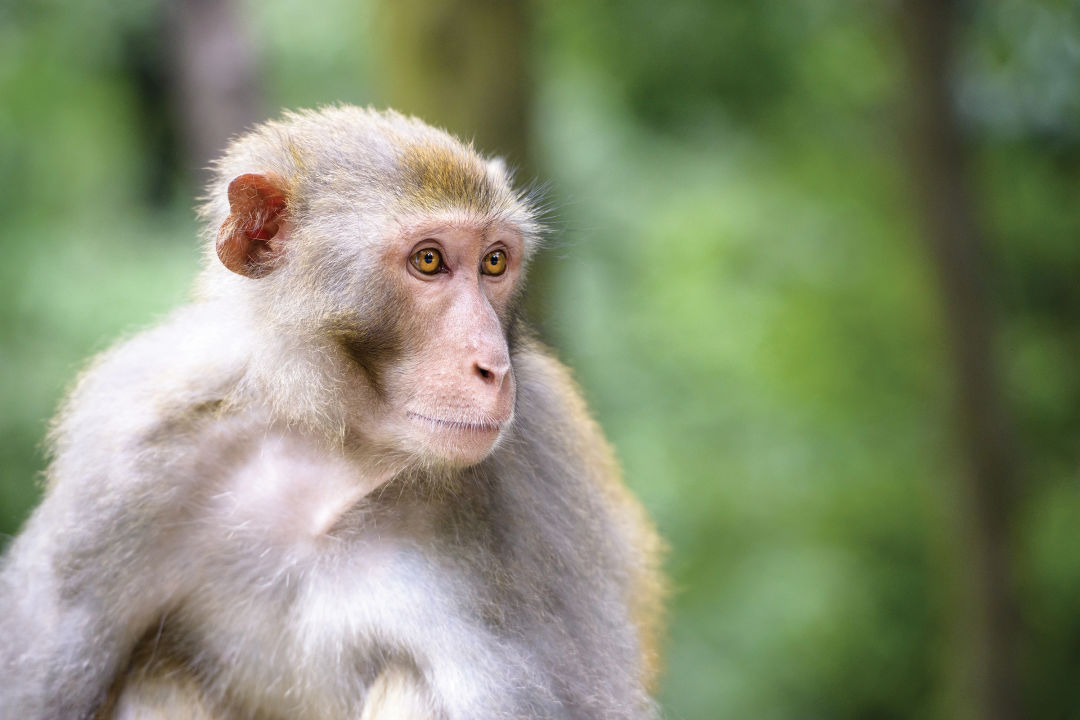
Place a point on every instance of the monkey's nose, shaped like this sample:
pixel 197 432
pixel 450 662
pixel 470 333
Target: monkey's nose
pixel 492 372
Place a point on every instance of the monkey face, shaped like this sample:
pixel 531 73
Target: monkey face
pixel 450 395
pixel 423 339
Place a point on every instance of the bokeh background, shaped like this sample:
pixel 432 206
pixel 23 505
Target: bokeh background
pixel 816 265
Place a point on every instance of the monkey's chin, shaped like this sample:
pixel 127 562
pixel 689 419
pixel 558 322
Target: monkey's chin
pixel 456 442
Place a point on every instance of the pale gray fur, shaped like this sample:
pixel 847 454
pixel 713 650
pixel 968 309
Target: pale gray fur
pixel 502 587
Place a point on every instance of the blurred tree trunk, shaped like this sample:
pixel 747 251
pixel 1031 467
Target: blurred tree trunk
pixel 988 614
pixel 215 76
pixel 464 65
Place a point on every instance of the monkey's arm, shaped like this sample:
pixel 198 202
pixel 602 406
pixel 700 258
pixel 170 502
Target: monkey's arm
pixel 71 613
pixel 98 562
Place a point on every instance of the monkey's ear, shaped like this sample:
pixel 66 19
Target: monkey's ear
pixel 249 241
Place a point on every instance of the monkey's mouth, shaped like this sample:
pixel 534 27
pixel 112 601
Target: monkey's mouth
pixel 463 426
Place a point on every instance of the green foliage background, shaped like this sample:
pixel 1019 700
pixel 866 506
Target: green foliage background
pixel 739 286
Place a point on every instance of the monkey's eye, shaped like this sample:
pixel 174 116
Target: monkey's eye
pixel 428 261
pixel 494 263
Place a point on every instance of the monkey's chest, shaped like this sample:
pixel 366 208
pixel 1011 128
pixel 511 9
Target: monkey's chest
pixel 304 632
pixel 307 586
pixel 312 591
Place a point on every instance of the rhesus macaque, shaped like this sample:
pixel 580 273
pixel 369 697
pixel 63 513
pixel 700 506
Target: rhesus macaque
pixel 345 482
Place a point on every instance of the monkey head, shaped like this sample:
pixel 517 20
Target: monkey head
pixel 384 260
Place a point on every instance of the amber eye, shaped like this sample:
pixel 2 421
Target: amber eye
pixel 427 261
pixel 494 263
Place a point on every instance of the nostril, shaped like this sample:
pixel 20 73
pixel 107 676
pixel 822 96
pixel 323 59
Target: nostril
pixel 489 373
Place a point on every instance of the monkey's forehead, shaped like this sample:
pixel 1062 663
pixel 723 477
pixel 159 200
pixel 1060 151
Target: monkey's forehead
pixel 381 160
pixel 434 176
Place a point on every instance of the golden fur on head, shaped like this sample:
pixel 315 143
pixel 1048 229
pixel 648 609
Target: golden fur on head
pixel 438 176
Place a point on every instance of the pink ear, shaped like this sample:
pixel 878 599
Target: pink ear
pixel 246 243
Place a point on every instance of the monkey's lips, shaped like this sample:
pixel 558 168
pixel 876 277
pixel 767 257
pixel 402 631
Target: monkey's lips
pixel 459 441
pixel 471 427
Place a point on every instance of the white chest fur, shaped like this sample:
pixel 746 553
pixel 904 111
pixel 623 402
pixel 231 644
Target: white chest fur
pixel 325 591
pixel 290 492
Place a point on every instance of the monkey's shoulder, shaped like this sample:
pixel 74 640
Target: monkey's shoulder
pixel 146 394
pixel 554 426
pixel 575 468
